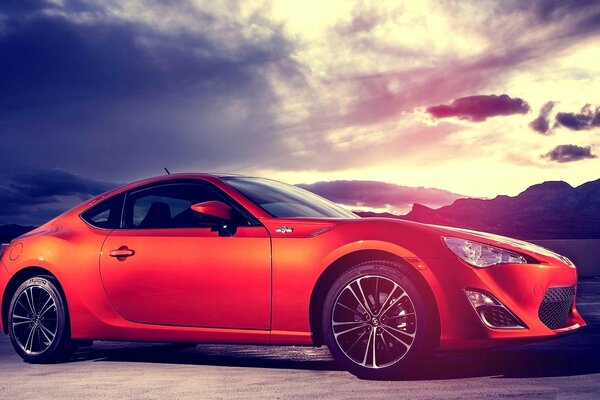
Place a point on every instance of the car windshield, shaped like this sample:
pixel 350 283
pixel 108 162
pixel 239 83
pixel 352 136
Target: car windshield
pixel 286 201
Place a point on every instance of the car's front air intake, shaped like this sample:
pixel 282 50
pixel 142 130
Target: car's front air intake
pixel 556 306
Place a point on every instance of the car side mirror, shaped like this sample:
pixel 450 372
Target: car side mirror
pixel 214 209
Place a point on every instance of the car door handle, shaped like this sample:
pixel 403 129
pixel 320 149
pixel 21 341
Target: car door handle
pixel 122 252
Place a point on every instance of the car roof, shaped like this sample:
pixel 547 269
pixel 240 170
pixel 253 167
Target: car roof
pixel 214 178
pixel 183 175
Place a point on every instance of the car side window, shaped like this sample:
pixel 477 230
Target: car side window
pixel 106 214
pixel 169 206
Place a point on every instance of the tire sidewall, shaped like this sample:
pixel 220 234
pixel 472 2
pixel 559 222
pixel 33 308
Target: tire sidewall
pixel 402 276
pixel 60 344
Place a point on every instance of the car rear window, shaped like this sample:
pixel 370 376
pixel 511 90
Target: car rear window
pixel 106 214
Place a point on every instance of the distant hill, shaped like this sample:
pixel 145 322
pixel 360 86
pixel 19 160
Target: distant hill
pixel 11 231
pixel 549 210
pixel 367 195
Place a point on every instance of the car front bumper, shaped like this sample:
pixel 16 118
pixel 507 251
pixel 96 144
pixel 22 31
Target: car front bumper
pixel 518 287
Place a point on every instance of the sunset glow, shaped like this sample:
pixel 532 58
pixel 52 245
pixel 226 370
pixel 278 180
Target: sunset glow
pixel 478 98
pixel 410 55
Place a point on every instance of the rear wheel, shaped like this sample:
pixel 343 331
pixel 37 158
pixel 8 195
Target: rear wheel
pixel 38 322
pixel 375 321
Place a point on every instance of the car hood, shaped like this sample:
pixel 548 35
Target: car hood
pixel 540 253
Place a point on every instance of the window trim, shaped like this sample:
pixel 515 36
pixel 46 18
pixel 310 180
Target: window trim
pixel 99 203
pixel 230 201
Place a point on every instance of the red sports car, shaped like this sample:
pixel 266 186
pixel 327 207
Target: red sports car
pixel 195 258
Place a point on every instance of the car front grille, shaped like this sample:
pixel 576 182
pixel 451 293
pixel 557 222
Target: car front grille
pixel 556 306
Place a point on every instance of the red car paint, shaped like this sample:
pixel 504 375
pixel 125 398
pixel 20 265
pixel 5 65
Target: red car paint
pixel 258 286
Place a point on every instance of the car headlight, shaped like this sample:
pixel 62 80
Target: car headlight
pixel 482 255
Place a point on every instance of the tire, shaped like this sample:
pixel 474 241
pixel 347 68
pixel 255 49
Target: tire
pixel 389 338
pixel 38 322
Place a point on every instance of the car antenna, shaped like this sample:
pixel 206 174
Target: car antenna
pixel 168 173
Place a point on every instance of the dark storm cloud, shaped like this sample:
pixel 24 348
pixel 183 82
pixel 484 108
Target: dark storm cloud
pixel 479 108
pixel 588 118
pixel 20 5
pixel 380 194
pixel 586 13
pixel 569 152
pixel 118 98
pixel 541 124
pixel 37 196
pixel 118 90
pixel 50 59
pixel 548 10
pixel 56 182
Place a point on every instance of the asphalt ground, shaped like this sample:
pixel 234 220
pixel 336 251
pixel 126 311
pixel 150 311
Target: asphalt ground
pixel 564 368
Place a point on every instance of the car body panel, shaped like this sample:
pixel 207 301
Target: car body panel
pixel 190 277
pixel 299 261
pixel 261 291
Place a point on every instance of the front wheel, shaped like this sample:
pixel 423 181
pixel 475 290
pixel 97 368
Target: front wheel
pixel 375 320
pixel 38 322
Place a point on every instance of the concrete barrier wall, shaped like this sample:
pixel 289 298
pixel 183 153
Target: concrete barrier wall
pixel 585 253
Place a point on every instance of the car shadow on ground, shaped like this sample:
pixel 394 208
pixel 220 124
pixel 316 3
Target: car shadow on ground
pixel 567 356
pixel 576 354
pixel 571 355
pixel 274 357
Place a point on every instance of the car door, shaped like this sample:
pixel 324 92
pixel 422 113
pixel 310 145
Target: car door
pixel 169 265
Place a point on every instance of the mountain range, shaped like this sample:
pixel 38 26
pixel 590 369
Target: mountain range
pixel 375 195
pixel 549 210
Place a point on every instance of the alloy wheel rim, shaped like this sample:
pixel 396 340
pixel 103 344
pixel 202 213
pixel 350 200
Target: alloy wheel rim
pixel 374 321
pixel 34 320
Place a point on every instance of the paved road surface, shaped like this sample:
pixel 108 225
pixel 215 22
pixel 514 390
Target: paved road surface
pixel 565 368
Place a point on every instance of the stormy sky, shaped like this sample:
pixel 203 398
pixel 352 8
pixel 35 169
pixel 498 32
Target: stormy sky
pixel 476 97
